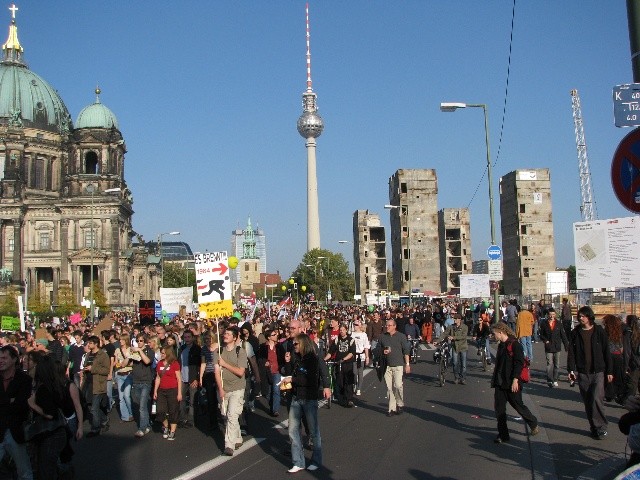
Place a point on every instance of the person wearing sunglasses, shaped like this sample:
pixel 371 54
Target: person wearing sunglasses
pixel 271 355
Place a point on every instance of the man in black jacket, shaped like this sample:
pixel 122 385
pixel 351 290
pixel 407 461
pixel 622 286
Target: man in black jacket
pixel 190 358
pixel 589 360
pixel 553 336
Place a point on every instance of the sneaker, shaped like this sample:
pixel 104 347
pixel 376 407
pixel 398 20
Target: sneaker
pixel 601 433
pixel 391 413
pixel 555 384
pixel 171 436
pixel 462 381
pixel 313 467
pixel 499 439
pixel 349 405
pixel 165 432
pixel 228 452
pixel 147 430
pixel 550 384
pixel 139 434
pixel 358 393
pixel 399 410
pixel 295 469
pixel 238 445
pixel 534 431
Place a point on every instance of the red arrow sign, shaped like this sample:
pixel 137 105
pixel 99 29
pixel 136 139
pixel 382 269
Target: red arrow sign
pixel 222 269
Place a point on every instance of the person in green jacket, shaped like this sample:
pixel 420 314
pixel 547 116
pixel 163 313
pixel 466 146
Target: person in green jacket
pixel 457 333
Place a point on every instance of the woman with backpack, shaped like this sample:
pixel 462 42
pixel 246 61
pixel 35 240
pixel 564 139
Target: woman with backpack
pixel 506 382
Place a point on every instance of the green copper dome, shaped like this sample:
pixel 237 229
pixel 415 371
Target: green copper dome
pixel 26 100
pixel 96 115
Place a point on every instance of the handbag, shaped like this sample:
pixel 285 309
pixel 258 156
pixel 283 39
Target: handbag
pixel 39 426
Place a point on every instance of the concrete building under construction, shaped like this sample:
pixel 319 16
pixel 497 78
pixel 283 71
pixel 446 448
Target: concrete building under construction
pixel 369 253
pixel 527 231
pixel 455 247
pixel 413 197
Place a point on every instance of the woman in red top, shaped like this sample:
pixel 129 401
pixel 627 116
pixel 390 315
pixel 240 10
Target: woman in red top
pixel 166 391
pixel 271 355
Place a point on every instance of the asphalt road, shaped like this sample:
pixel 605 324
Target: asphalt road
pixel 445 433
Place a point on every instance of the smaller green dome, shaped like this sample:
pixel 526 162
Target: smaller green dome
pixel 96 115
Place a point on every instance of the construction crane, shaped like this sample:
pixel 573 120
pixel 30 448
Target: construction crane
pixel 588 206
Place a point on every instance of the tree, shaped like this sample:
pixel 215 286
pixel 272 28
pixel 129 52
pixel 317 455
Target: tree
pixel 66 301
pixel 321 270
pixel 9 301
pixel 571 273
pixel 99 298
pixel 177 276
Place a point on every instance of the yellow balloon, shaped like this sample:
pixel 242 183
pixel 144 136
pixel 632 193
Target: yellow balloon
pixel 284 288
pixel 303 288
pixel 233 262
pixel 291 281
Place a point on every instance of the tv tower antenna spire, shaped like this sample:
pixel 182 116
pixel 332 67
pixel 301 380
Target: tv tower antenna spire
pixel 310 126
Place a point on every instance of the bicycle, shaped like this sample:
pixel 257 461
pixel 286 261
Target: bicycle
pixel 442 356
pixel 413 352
pixel 483 351
pixel 331 366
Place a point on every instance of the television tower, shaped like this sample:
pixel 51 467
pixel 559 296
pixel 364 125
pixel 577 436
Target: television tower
pixel 310 126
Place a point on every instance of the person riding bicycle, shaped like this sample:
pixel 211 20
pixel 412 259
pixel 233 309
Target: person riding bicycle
pixel 411 329
pixel 343 351
pixel 481 335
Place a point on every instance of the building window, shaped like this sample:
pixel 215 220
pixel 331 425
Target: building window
pixel 11 244
pixel 405 253
pixel 523 208
pixel 37 180
pixel 523 229
pixel 246 267
pixel 525 251
pixel 91 163
pixel 90 238
pixel 366 253
pixel 45 241
pixel 403 187
pixel 525 272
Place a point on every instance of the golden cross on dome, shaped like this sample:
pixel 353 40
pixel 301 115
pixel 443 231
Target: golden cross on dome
pixel 13 9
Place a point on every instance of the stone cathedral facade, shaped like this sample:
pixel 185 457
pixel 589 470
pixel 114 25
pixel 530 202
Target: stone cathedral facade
pixel 65 209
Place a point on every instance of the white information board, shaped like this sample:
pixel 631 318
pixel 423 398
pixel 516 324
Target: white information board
pixel 557 282
pixel 607 253
pixel 474 285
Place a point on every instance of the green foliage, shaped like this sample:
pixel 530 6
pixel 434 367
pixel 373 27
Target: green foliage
pixel 177 276
pixel 9 301
pixel 38 306
pixel 322 269
pixel 66 302
pixel 571 273
pixel 99 298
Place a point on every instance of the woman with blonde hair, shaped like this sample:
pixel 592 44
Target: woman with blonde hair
pixel 123 367
pixel 167 391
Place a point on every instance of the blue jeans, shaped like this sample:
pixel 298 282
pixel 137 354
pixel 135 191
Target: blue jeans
pixel 110 393
pixel 310 410
pixel 17 451
pixel 274 401
pixel 140 393
pixel 124 395
pixel 527 347
pixel 98 416
pixel 459 364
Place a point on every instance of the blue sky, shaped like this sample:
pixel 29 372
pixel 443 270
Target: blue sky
pixel 207 94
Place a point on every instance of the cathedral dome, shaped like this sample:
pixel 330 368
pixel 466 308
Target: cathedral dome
pixel 26 100
pixel 96 115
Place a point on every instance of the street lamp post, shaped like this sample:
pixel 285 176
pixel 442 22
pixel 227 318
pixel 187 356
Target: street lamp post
pixel 452 107
pixel 394 207
pixel 328 259
pixel 161 257
pixel 355 286
pixel 91 189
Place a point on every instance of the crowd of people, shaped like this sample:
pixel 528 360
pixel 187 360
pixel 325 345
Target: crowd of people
pixel 294 359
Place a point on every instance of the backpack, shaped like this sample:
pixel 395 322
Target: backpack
pixel 525 374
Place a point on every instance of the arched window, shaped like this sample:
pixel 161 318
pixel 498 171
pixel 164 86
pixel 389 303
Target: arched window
pixel 91 163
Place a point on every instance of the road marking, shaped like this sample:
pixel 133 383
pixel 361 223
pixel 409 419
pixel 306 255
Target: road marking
pixel 216 462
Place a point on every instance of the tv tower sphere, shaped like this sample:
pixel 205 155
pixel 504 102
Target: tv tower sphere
pixel 310 125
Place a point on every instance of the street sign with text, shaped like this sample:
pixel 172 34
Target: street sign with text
pixel 626 105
